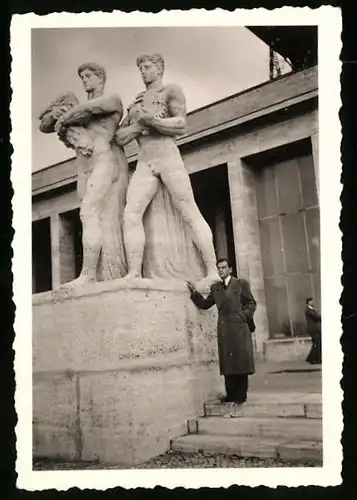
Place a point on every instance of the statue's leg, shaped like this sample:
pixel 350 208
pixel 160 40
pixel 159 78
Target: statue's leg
pixel 141 190
pixel 94 198
pixel 98 186
pixel 178 183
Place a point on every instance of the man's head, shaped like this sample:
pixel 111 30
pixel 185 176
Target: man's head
pixel 151 67
pixel 93 76
pixel 310 302
pixel 224 268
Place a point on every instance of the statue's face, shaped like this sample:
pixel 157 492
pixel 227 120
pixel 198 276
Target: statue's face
pixel 149 72
pixel 90 80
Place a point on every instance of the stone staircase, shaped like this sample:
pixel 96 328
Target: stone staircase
pixel 285 426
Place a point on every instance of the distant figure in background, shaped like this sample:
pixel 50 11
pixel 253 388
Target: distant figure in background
pixel 236 306
pixel 313 321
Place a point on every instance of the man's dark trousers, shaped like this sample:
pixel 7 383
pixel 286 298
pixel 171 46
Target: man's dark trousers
pixel 236 387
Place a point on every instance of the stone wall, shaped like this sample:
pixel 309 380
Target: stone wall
pixel 293 349
pixel 118 370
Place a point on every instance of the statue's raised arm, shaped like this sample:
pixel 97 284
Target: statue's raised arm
pixel 80 114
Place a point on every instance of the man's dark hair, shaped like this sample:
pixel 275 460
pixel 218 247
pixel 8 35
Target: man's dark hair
pixel 223 259
pixel 309 299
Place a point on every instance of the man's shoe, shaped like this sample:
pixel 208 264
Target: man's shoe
pixel 226 399
pixel 239 402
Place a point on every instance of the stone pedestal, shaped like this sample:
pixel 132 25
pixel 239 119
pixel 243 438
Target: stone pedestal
pixel 119 369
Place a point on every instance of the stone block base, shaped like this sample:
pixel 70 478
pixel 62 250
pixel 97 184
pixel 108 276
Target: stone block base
pixel 296 349
pixel 118 369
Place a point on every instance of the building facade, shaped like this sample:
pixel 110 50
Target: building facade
pixel 253 164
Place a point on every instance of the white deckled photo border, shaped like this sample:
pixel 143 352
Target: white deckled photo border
pixel 328 20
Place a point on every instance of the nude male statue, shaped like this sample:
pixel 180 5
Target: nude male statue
pixel 156 117
pixel 89 129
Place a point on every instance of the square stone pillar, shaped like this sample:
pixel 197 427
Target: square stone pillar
pixel 315 155
pixel 247 242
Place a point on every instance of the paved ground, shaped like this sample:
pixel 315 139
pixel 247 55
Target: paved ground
pixel 286 377
pixel 270 377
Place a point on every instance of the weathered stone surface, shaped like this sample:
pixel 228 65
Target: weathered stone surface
pixel 248 446
pixel 269 425
pixel 192 426
pixel 54 400
pixel 133 365
pixel 108 324
pixel 301 451
pixel 313 410
pixel 288 428
pixel 251 409
pixel 280 397
pixel 55 443
pixel 312 398
pixel 240 446
pixel 208 383
pixel 127 417
pixel 55 417
pixel 287 349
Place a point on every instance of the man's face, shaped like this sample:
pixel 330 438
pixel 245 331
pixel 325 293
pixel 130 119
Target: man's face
pixel 311 303
pixel 223 269
pixel 90 80
pixel 149 72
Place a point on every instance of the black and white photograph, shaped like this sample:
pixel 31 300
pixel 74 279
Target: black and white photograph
pixel 177 254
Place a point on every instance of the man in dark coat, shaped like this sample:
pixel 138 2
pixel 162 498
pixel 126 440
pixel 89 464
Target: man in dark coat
pixel 313 322
pixel 236 306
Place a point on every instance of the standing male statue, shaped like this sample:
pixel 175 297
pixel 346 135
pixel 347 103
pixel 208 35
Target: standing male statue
pixel 89 129
pixel 157 116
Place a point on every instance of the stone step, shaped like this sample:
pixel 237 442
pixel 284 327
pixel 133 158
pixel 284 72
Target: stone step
pixel 290 405
pixel 288 428
pixel 286 450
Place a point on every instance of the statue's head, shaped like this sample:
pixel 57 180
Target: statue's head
pixel 151 67
pixel 93 76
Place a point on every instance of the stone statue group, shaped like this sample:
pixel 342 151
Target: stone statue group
pixel 142 225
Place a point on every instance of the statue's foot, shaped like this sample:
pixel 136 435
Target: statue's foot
pixel 82 280
pixel 131 275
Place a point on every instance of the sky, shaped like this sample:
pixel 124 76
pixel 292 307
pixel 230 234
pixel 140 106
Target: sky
pixel 209 63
